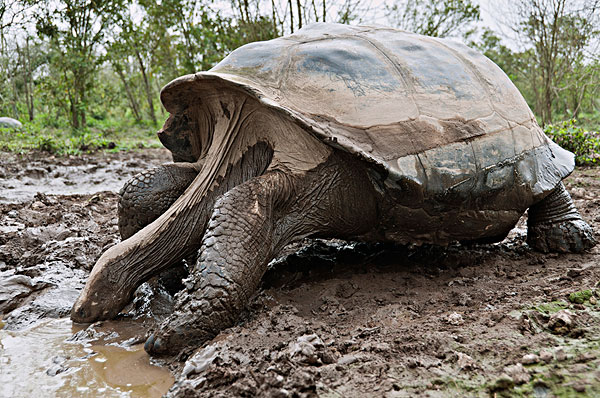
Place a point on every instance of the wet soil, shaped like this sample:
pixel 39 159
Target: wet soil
pixel 333 319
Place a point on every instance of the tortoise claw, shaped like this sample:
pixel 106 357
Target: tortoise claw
pixel 154 346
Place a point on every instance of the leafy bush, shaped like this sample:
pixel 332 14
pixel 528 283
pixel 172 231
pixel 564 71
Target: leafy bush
pixel 584 144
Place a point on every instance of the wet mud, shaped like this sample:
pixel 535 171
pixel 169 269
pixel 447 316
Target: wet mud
pixel 333 319
pixel 56 216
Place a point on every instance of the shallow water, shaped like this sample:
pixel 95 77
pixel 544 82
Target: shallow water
pixel 42 362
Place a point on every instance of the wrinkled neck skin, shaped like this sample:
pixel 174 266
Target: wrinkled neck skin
pixel 246 140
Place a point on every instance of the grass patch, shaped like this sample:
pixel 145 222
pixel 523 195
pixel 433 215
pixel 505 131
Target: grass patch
pixel 551 307
pixel 581 297
pixel 63 141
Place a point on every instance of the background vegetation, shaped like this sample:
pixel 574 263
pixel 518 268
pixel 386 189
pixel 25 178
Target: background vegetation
pixel 86 74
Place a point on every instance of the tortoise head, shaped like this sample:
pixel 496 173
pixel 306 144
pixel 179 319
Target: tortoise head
pixel 187 134
pixel 188 131
pixel 176 135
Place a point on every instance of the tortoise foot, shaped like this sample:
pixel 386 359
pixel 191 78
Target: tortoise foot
pixel 555 225
pixel 187 327
pixel 174 336
pixel 572 236
pixel 150 193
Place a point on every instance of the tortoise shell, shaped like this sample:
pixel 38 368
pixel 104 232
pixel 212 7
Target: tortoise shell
pixel 436 115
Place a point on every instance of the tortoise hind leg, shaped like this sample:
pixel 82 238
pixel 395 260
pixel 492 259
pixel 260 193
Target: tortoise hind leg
pixel 554 225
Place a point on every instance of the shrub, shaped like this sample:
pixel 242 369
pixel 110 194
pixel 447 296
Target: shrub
pixel 584 144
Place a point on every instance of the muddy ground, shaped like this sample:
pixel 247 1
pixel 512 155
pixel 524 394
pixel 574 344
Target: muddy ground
pixel 333 319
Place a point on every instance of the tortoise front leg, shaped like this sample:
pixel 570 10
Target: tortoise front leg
pixel 249 225
pixel 150 193
pixel 237 245
pixel 555 225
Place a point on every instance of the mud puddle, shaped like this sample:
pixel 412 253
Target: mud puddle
pixel 23 176
pixel 46 360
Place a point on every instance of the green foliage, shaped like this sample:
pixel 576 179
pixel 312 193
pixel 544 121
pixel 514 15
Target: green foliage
pixel 551 307
pixel 87 70
pixel 581 297
pixel 556 64
pixel 74 30
pixel 584 144
pixel 108 134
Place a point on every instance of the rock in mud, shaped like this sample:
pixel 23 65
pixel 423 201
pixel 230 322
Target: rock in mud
pixel 464 299
pixel 465 362
pixel 530 359
pixel 16 288
pixel 309 349
pixel 579 386
pixel 10 123
pixel 348 359
pixel 200 361
pixel 346 290
pixel 561 322
pixel 518 373
pixel 561 355
pixel 503 382
pixel 546 356
pixel 455 319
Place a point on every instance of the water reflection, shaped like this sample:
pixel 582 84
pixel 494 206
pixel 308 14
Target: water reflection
pixel 40 362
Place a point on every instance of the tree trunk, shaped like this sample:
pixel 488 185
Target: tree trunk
pixel 74 116
pixel 314 6
pixel 299 14
pixel 291 15
pixel 15 95
pixel 246 11
pixel 74 105
pixel 132 102
pixel 147 87
pixel 29 82
pixel 275 32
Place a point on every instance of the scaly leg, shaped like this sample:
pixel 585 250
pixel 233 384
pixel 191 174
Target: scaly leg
pixel 150 193
pixel 554 225
pixel 249 225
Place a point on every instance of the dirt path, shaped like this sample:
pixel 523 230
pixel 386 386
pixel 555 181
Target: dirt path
pixel 340 320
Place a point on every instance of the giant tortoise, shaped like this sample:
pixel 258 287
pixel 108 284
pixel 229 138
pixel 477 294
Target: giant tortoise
pixel 352 132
